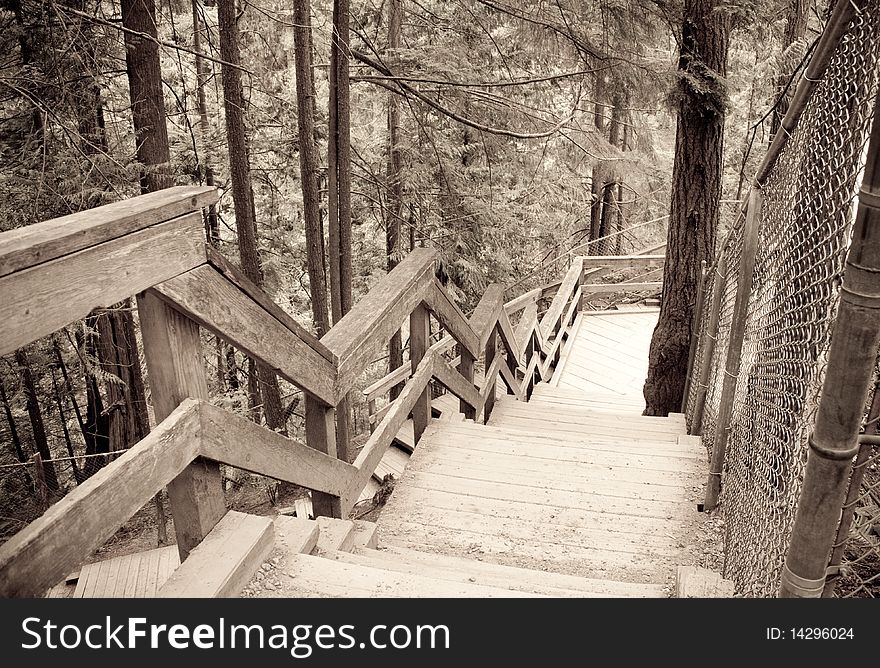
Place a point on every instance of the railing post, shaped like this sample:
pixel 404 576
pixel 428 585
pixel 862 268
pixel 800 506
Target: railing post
pixel 734 349
pixel 851 358
pixel 321 435
pixel 466 369
pixel 695 334
pixel 419 339
pixel 711 334
pixel 176 370
pixel 491 351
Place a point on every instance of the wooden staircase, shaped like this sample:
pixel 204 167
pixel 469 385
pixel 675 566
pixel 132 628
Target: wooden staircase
pixel 535 474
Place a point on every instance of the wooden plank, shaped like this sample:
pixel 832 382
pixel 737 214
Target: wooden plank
pixel 364 535
pixel 446 567
pixel 453 381
pixel 551 498
pixel 176 371
pixel 365 330
pixel 525 327
pixel 41 242
pixel 508 338
pixel 622 261
pixel 511 382
pixel 486 314
pixel 46 550
pixel 334 534
pixel 451 318
pixel 373 450
pixel 41 299
pixel 321 436
pixel 269 453
pixel 319 577
pixel 224 562
pixel 555 535
pixel 487 393
pixel 521 302
pixel 531 510
pixel 294 535
pixel 152 584
pixel 622 287
pixel 552 352
pixel 466 369
pixel 235 275
pixel 551 319
pixel 208 298
pixel 394 461
pixel 419 336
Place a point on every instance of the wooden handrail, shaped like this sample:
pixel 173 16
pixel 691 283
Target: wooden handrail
pixel 42 553
pixel 358 337
pixel 216 303
pixel 36 244
pixel 550 321
pixel 43 298
pixel 622 261
pixel 46 550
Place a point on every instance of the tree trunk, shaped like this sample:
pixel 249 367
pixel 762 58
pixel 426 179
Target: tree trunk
pixel 77 476
pixel 36 417
pixel 596 176
pixel 242 193
pixel 308 164
pixel 212 224
pixel 609 185
pixel 10 419
pixel 696 191
pixel 339 195
pixel 96 431
pixel 395 187
pixel 145 92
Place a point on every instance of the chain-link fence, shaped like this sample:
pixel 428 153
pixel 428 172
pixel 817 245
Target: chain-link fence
pixel 803 232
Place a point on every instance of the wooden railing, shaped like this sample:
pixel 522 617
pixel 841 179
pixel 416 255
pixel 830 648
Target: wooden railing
pixel 54 273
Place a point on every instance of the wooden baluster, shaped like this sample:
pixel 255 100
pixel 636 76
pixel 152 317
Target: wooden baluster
pixel 175 368
pixel 491 351
pixel 466 369
pixel 419 339
pixel 321 435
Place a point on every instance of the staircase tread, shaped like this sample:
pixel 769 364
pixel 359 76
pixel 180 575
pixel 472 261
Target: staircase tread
pixel 445 567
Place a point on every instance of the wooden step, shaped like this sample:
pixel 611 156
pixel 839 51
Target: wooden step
pixel 586 415
pixel 470 571
pixel 393 462
pixel 693 582
pixel 334 534
pixel 314 576
pixel 223 563
pixel 364 535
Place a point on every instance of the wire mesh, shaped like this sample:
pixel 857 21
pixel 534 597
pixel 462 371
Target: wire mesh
pixel 804 231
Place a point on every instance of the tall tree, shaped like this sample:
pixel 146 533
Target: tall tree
pixel 212 224
pixel 394 173
pixel 38 428
pixel 695 198
pixel 339 192
pixel 145 92
pixel 242 192
pixel 308 163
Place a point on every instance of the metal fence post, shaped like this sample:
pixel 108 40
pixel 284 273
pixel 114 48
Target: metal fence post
pixel 834 441
pixel 734 349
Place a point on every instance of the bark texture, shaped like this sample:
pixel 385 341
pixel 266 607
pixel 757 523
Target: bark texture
pixel 696 192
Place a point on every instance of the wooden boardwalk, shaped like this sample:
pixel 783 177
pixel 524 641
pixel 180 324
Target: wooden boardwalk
pixel 575 481
pixel 137 575
pixel 609 353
